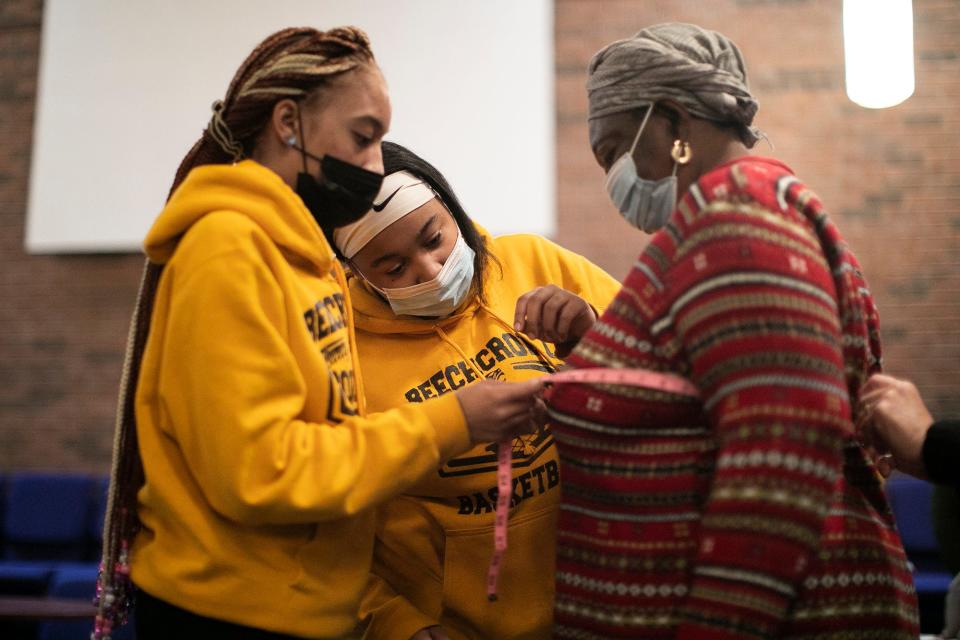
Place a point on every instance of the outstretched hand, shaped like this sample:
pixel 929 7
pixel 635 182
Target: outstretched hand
pixel 497 410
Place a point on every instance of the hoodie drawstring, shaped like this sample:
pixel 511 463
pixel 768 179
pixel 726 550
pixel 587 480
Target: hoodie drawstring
pixel 530 343
pixel 443 336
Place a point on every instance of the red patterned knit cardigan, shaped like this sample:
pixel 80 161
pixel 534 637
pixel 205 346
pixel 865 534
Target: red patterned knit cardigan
pixel 754 513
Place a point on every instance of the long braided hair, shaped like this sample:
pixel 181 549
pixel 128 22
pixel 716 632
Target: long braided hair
pixel 291 63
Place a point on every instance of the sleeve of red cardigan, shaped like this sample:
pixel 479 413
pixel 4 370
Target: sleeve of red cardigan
pixel 756 315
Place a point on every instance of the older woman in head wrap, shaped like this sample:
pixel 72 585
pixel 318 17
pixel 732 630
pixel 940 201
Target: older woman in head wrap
pixel 750 511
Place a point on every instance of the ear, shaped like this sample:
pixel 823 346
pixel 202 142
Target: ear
pixel 283 121
pixel 681 125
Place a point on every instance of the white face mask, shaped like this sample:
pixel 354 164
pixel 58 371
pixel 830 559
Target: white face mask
pixel 442 295
pixel 646 204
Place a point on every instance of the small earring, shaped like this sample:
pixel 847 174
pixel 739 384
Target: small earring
pixel 681 152
pixel 291 141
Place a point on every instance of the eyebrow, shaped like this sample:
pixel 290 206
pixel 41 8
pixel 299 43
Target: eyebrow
pixel 387 256
pixel 373 122
pixel 429 222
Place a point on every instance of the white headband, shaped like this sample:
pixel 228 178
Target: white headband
pixel 401 193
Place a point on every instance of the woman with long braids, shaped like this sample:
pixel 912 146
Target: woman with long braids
pixel 244 466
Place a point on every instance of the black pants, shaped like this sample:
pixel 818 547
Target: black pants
pixel 159 620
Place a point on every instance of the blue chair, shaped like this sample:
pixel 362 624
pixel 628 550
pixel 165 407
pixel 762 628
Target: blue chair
pixel 25 578
pixel 46 516
pixel 44 523
pixel 910 502
pixel 77 581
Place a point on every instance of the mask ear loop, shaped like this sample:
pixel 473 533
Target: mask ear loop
pixel 643 125
pixel 302 149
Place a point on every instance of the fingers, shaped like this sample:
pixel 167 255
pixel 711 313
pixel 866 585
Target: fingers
pixel 524 392
pixel 571 310
pixel 523 411
pixel 538 413
pixel 437 633
pixel 877 381
pixel 520 313
pixel 885 464
pixel 552 314
pixel 532 322
pixel 497 410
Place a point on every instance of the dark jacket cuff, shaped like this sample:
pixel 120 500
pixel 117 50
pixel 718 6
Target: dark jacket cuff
pixel 941 452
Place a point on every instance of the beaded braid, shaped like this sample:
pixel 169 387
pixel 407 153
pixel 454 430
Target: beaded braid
pixel 291 63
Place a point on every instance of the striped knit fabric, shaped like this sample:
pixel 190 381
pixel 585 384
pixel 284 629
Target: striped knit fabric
pixel 754 513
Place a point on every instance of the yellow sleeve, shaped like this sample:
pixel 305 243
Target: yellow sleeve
pixel 230 392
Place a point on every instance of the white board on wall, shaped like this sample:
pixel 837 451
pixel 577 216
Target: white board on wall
pixel 125 89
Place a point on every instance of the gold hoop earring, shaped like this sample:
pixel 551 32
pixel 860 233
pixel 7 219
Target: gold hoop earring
pixel 681 152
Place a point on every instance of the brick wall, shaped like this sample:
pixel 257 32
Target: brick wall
pixel 891 179
pixel 63 319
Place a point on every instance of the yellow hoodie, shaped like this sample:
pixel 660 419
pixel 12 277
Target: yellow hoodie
pixel 435 542
pixel 260 468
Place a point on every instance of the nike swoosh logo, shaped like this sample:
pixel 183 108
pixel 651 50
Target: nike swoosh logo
pixel 380 207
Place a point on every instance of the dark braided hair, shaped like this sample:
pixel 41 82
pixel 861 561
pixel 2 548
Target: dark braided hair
pixel 398 158
pixel 291 63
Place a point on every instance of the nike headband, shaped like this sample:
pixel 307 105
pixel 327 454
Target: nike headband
pixel 401 193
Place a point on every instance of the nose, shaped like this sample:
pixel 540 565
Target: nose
pixel 373 160
pixel 427 267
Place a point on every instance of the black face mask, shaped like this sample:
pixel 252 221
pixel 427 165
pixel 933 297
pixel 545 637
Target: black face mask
pixel 342 195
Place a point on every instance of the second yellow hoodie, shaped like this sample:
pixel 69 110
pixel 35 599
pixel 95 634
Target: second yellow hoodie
pixel 261 469
pixel 435 542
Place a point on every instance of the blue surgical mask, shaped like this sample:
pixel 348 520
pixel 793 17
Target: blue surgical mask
pixel 441 296
pixel 646 204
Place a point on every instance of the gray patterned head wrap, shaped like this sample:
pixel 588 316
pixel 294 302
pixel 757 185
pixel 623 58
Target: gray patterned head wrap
pixel 700 69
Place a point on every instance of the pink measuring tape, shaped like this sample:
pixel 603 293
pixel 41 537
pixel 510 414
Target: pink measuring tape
pixel 666 382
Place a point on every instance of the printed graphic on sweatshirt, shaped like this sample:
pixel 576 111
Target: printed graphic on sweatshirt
pixel 505 351
pixel 540 477
pixel 527 450
pixel 325 322
pixel 499 352
pixel 529 484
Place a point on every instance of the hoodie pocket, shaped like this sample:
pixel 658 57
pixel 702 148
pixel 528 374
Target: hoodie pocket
pixel 524 606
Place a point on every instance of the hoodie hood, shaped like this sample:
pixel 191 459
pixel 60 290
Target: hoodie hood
pixel 247 188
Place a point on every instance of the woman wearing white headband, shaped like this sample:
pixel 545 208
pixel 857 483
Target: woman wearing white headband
pixel 440 305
